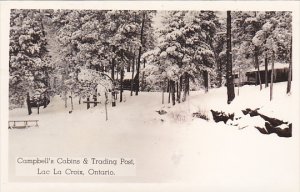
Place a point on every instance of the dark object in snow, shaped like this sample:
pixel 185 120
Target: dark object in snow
pixel 221 116
pixel 251 112
pixel 274 122
pixel 88 103
pixel 38 100
pixel 261 130
pixel 271 124
pixel 285 132
pixel 161 112
pixel 201 116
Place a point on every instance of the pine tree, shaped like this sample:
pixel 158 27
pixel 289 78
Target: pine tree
pixel 29 66
pixel 184 48
pixel 79 34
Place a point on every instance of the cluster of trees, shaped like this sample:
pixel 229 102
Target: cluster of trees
pixel 261 37
pixel 213 46
pixel 70 45
pixel 184 50
pixel 74 51
pixel 105 41
pixel 29 61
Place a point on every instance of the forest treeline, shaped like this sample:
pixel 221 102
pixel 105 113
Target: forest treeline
pixel 74 51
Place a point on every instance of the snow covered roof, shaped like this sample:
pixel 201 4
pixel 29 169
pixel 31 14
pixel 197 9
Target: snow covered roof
pixel 276 66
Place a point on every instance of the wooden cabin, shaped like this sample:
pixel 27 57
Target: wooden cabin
pixel 251 77
pixel 127 81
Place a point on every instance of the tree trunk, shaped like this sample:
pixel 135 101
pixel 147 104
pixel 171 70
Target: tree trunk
pixel 288 90
pixel 47 83
pixel 66 99
pixel 169 91
pixel 257 65
pixel 113 103
pixel 143 78
pixel 205 78
pixel 163 90
pixel 139 57
pixel 28 104
pixel 117 73
pixel 180 89
pixel 172 83
pixel 220 74
pixel 88 104
pixel 266 71
pixel 186 86
pixel 113 69
pixel 177 91
pixel 121 84
pixel 95 97
pixel 106 101
pixel 272 76
pixel 132 76
pixel 239 84
pixel 128 67
pixel 229 76
pixel 72 107
pixel 259 78
pixel 184 91
pixel 64 74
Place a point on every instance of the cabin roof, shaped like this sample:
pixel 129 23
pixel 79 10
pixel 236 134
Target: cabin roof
pixel 262 67
pixel 276 66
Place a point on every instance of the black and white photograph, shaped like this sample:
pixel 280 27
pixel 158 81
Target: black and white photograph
pixel 136 95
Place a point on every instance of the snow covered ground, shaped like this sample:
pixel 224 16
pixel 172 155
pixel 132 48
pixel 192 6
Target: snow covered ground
pixel 174 147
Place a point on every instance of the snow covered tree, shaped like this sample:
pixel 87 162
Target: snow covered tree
pixel 219 45
pixel 122 37
pixel 104 41
pixel 29 66
pixel 245 26
pixel 203 28
pixel 79 37
pixel 168 54
pixel 183 48
pixel 147 43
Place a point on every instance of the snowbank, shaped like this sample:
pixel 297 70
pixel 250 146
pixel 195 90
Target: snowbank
pixel 174 147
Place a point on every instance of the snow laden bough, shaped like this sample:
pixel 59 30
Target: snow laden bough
pixel 272 125
pixel 99 80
